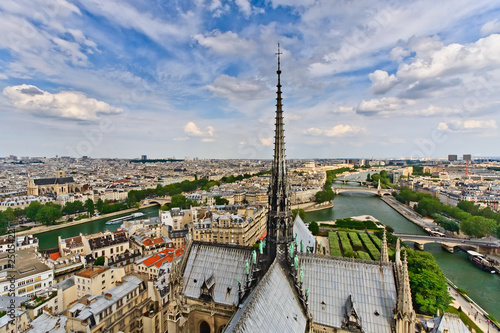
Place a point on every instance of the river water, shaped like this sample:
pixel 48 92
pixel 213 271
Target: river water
pixel 482 287
pixel 48 240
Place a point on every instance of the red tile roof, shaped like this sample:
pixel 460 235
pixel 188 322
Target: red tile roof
pixel 161 256
pixel 150 242
pixel 54 256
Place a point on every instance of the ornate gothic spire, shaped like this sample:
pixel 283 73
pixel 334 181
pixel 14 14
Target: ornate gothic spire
pixel 397 259
pixel 405 316
pixel 279 224
pixel 384 254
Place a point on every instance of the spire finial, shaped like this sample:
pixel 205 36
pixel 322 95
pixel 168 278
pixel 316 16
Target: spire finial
pixel 279 53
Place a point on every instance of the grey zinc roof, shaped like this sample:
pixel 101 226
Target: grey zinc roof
pixel 225 263
pixel 303 233
pixel 65 284
pixel 331 281
pixel 47 323
pixel 272 307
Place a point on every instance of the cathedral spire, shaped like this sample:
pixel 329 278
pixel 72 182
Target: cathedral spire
pixel 384 253
pixel 397 259
pixel 405 316
pixel 279 224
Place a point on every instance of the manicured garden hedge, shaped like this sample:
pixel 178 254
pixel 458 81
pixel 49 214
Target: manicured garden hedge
pixel 333 240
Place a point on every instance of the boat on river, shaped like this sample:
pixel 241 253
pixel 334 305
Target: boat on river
pixel 480 261
pixel 124 218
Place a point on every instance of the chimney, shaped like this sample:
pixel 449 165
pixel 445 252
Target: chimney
pixel 108 296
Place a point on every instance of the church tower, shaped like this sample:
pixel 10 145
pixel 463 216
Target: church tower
pixel 279 223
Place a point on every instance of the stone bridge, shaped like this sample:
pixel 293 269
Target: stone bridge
pixel 159 200
pixel 448 243
pixel 379 192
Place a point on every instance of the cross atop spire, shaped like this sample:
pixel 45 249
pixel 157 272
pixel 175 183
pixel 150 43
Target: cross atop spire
pixel 278 54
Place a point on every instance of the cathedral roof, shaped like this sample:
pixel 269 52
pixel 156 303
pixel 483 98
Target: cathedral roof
pixel 303 233
pixel 449 322
pixel 222 264
pixel 332 282
pixel 273 306
pixel 53 181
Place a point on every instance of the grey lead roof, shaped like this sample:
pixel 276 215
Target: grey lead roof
pixel 273 307
pixel 226 264
pixel 448 321
pixel 331 281
pixel 303 233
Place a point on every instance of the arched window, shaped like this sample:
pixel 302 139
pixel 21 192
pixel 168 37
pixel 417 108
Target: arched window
pixel 204 327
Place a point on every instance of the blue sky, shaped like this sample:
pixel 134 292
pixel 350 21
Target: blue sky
pixel 198 78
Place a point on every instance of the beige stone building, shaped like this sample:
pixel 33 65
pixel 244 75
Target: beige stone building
pixel 97 280
pixel 240 225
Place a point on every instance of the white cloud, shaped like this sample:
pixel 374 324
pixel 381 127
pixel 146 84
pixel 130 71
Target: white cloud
pixel 453 59
pixel 266 141
pixel 381 81
pixel 490 27
pixel 468 125
pixel 226 43
pixel 383 106
pixel 398 53
pixel 343 109
pixel 159 30
pixel 192 130
pixel 65 104
pixel 244 7
pixel 336 131
pixel 232 88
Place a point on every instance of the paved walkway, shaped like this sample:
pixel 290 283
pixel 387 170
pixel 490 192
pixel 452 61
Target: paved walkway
pixel 473 310
pixel 324 243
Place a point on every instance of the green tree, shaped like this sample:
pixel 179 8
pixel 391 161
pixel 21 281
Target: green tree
pixel 178 200
pixel 427 282
pixel 33 209
pixel 478 226
pixel 89 205
pixel 48 214
pixel 164 207
pixel 99 261
pixel 323 196
pixel 9 214
pixel 3 223
pixel 18 212
pixel 301 213
pixel 221 201
pixel 469 207
pixel 100 206
pixel 314 228
pixel 368 178
pixel 131 198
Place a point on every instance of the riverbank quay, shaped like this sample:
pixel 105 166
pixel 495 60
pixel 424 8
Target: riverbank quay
pixel 42 229
pixel 321 206
pixel 408 213
pixel 476 314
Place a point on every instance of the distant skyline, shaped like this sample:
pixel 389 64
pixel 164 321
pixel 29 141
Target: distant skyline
pixel 198 78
